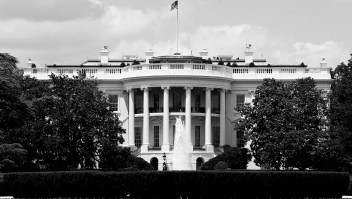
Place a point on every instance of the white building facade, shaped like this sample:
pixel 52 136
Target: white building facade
pixel 148 94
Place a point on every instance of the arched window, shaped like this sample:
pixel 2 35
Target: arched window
pixel 199 162
pixel 154 162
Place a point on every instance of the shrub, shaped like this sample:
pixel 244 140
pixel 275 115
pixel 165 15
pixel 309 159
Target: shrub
pixel 120 159
pixel 140 164
pixel 209 61
pixel 221 166
pixel 236 158
pixel 173 184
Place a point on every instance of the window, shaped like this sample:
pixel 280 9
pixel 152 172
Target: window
pixel 240 140
pixel 239 100
pixel 197 137
pixel 156 102
pixel 173 133
pixel 177 101
pixel 216 136
pixel 114 102
pixel 138 103
pixel 197 101
pixel 137 136
pixel 215 103
pixel 156 136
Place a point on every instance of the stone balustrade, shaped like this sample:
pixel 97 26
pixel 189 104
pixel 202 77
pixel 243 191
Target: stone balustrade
pixel 182 69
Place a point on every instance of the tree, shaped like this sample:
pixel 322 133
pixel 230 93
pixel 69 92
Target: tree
pixel 340 114
pixel 208 61
pixel 284 124
pixel 7 63
pixel 220 62
pixel 135 62
pixel 11 156
pixel 13 113
pixel 71 121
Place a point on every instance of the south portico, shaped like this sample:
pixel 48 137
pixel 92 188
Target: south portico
pixel 190 100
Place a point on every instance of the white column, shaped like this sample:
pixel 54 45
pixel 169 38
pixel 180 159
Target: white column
pixel 222 117
pixel 145 144
pixel 188 118
pixel 166 144
pixel 208 145
pixel 131 118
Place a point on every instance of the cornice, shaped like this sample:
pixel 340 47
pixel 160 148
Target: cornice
pixel 130 79
pixel 285 80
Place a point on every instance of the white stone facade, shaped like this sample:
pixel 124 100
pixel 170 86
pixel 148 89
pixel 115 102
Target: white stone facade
pixel 206 95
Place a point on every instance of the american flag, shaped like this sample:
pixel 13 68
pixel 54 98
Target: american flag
pixel 174 5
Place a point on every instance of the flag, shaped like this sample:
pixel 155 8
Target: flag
pixel 174 5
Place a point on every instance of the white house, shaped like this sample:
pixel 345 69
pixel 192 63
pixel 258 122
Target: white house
pixel 195 87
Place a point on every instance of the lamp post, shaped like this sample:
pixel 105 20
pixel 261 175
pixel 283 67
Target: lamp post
pixel 164 164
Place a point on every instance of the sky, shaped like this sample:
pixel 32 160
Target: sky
pixel 281 31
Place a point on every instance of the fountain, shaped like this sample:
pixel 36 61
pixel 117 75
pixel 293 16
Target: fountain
pixel 181 159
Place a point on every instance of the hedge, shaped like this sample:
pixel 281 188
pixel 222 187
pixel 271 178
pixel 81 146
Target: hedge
pixel 172 184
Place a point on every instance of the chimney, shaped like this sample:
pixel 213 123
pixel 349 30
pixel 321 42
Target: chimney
pixel 148 55
pixel 104 56
pixel 248 54
pixel 30 64
pixel 323 63
pixel 204 53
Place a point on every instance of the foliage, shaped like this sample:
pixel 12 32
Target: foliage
pixel 71 120
pixel 285 124
pixel 14 113
pixel 135 62
pixel 7 63
pixel 220 62
pixel 175 184
pixel 340 115
pixel 208 61
pixel 221 165
pixel 251 64
pixel 236 158
pixel 117 158
pixel 11 156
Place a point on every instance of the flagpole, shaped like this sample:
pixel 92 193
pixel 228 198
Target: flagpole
pixel 177 25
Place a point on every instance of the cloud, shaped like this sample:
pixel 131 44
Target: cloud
pixel 312 54
pixel 49 10
pixel 231 40
pixel 126 30
pixel 125 21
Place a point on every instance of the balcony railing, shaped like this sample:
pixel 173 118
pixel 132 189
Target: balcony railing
pixel 177 109
pixel 182 69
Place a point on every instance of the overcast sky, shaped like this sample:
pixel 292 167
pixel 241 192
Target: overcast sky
pixel 282 31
